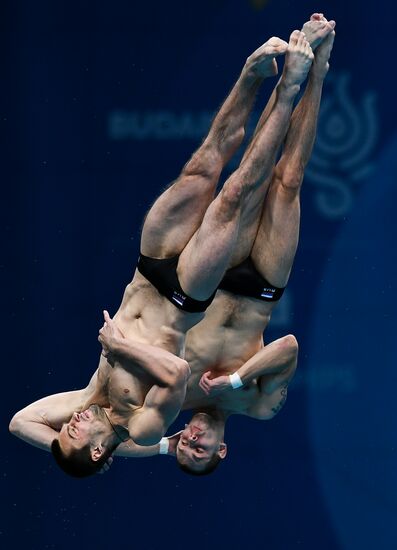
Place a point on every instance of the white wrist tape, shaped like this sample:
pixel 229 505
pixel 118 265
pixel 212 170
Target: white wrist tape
pixel 164 445
pixel 235 381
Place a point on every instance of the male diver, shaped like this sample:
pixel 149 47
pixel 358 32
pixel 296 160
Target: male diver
pixel 232 371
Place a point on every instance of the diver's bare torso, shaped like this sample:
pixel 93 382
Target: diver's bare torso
pixel 146 317
pixel 230 334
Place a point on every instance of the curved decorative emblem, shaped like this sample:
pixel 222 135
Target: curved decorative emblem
pixel 347 134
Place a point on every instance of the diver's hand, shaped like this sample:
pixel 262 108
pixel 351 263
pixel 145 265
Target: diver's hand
pixel 109 334
pixel 213 386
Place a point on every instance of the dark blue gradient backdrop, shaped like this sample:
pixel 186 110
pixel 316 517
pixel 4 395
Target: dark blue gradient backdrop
pixel 101 105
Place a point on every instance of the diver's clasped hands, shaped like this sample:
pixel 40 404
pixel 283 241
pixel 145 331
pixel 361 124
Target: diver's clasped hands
pixel 214 386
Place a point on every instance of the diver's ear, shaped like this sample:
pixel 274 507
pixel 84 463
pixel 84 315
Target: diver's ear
pixel 97 452
pixel 222 450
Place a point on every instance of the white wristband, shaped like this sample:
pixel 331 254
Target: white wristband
pixel 164 445
pixel 235 381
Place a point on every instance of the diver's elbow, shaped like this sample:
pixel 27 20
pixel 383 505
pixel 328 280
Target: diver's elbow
pixel 15 424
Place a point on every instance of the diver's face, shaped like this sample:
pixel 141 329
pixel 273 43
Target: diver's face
pixel 82 428
pixel 198 442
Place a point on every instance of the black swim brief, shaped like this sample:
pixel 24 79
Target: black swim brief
pixel 162 274
pixel 245 280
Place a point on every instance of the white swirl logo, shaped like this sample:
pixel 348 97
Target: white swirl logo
pixel 346 137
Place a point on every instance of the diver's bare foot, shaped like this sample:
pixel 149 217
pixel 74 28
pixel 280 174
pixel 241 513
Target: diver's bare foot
pixel 298 60
pixel 322 55
pixel 317 29
pixel 262 63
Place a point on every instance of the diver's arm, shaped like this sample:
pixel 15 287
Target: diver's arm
pixel 39 423
pixel 273 386
pixel 162 405
pixel 130 449
pixel 272 361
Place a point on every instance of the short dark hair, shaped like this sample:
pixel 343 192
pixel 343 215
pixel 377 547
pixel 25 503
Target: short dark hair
pixel 209 468
pixel 79 462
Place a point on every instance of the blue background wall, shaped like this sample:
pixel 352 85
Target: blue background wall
pixel 102 103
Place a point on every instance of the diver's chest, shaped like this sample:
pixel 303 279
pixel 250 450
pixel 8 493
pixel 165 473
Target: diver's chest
pixel 126 389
